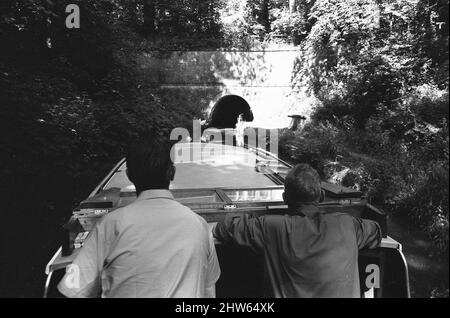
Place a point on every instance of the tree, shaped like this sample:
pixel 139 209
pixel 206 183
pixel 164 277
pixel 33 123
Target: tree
pixel 292 6
pixel 149 12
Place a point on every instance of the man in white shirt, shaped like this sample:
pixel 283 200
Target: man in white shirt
pixel 154 247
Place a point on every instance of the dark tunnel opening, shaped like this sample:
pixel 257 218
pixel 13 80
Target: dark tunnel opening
pixel 226 111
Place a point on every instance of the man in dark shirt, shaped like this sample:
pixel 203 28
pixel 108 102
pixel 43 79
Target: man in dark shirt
pixel 306 253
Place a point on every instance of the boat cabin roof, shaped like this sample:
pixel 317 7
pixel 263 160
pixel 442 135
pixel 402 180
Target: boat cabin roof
pixel 210 165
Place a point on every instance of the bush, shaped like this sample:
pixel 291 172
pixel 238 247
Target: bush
pixel 292 26
pixel 428 204
pixel 429 104
pixel 407 178
pixel 315 145
pixel 399 160
pixel 372 87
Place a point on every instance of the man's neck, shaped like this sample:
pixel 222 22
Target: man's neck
pixel 305 209
pixel 138 192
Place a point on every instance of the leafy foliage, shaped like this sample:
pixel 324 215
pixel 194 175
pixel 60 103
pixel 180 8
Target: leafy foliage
pixel 380 72
pixel 71 101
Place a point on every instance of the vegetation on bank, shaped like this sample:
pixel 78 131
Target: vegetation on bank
pixel 383 105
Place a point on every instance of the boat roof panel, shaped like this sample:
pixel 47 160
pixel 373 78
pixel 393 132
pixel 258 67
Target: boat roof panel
pixel 209 165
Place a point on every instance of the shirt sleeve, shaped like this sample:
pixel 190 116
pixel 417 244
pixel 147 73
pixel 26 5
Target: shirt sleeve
pixel 213 271
pixel 83 276
pixel 368 233
pixel 243 230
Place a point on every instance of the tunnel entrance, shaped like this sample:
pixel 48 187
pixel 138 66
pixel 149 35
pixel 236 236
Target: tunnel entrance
pixel 226 111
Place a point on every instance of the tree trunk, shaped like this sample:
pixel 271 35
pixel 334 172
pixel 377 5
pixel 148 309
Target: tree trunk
pixel 131 11
pixel 149 16
pixel 292 6
pixel 265 15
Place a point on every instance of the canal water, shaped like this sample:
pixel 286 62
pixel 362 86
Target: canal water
pixel 426 271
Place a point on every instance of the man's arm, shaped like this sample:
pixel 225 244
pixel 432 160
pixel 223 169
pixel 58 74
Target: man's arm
pixel 368 233
pixel 83 276
pixel 243 230
pixel 210 292
pixel 213 271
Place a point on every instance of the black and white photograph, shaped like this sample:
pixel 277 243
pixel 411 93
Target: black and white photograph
pixel 238 150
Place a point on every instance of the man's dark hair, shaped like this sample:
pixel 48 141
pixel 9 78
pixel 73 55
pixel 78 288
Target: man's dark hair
pixel 149 165
pixel 302 185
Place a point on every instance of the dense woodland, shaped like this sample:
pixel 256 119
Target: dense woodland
pixel 71 99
